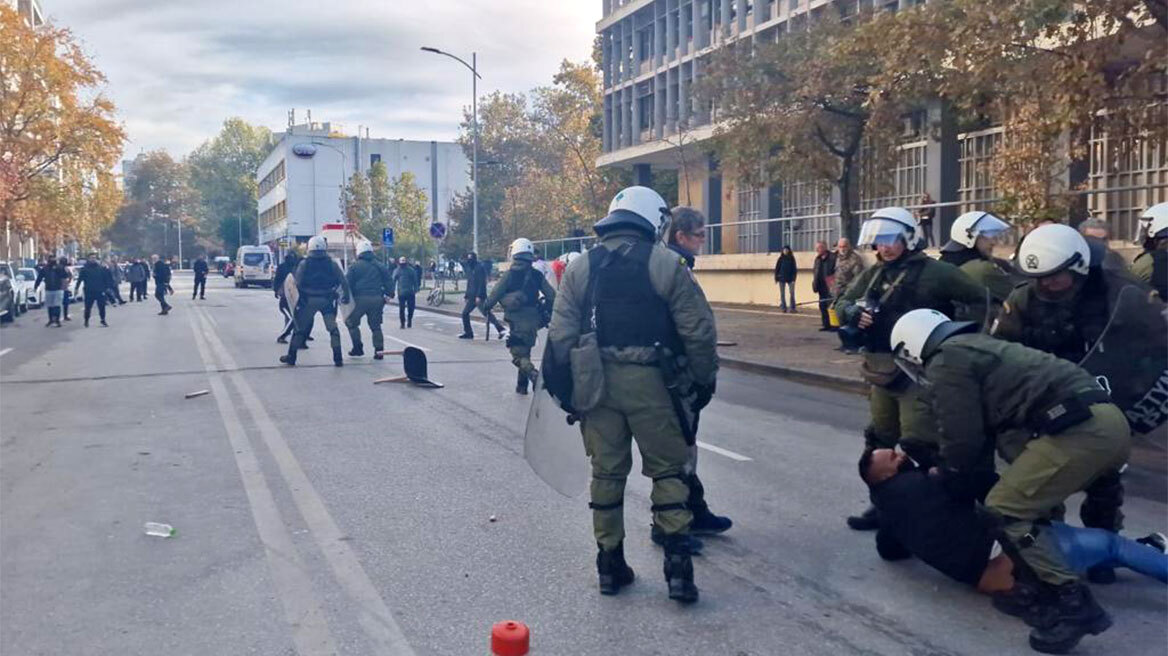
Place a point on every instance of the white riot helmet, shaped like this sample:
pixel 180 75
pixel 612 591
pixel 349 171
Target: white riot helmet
pixel 918 333
pixel 364 247
pixel 317 244
pixel 888 224
pixel 1051 248
pixel 971 225
pixel 636 207
pixel 1154 222
pixel 522 249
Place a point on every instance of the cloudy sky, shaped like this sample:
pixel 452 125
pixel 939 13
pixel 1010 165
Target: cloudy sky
pixel 177 68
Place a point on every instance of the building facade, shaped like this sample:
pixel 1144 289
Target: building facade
pixel 653 52
pixel 301 179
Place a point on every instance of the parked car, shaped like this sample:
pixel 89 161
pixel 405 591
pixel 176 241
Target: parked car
pixel 19 289
pixel 7 296
pixel 34 297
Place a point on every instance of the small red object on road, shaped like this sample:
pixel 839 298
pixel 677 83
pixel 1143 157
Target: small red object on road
pixel 510 638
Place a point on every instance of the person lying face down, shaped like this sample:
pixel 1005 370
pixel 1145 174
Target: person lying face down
pixel 920 517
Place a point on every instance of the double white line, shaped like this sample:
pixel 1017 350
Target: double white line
pixel 303 609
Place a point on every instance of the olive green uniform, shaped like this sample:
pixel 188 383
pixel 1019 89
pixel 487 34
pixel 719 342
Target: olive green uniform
pixel 898 415
pixel 369 283
pixel 1151 267
pixel 981 389
pixel 318 280
pixel 635 400
pixel 518 291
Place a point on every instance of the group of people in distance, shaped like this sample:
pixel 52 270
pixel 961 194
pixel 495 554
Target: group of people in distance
pixel 98 283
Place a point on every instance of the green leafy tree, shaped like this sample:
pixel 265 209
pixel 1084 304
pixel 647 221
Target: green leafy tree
pixel 223 170
pixel 355 203
pixel 379 194
pixel 159 196
pixel 410 219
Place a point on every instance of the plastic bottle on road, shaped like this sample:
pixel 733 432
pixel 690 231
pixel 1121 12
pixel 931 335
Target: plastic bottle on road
pixel 159 530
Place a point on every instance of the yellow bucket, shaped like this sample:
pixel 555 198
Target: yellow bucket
pixel 833 318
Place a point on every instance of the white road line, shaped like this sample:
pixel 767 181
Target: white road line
pixel 405 343
pixel 373 615
pixel 302 609
pixel 211 319
pixel 4 352
pixel 724 452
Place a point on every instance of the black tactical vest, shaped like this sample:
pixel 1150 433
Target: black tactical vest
pixel 1068 329
pixel 528 283
pixel 1160 272
pixel 629 312
pixel 319 278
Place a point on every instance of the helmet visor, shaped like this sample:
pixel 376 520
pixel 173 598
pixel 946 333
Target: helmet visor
pixel 880 232
pixel 989 226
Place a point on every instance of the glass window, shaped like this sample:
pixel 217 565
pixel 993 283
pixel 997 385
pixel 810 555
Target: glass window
pixel 255 259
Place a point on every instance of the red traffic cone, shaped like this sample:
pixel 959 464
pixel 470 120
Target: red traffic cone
pixel 510 638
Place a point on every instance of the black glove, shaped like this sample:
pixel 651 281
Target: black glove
pixel 702 395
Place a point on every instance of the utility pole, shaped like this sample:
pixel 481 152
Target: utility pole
pixel 474 104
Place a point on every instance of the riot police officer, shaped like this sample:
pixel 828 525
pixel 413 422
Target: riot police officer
pixel 904 279
pixel 371 286
pixel 318 280
pixel 971 249
pixel 1151 266
pixel 1047 417
pixel 1063 309
pixel 626 311
pixel 519 292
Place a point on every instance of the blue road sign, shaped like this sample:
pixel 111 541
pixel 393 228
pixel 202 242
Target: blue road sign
pixel 387 237
pixel 438 230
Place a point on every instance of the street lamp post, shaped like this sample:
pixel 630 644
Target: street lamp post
pixel 474 103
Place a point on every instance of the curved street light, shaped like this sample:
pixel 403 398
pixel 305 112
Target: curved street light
pixel 473 67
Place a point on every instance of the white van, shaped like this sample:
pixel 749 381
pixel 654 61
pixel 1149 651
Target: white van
pixel 253 266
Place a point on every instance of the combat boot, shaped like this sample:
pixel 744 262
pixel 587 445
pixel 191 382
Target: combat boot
pixel 1076 613
pixel 338 360
pixel 869 520
pixel 679 570
pixel 707 523
pixel 1030 602
pixel 612 570
pixel 658 537
pixel 357 351
pixel 289 359
pixel 521 384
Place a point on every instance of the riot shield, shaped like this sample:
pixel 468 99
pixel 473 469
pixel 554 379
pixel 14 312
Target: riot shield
pixel 1131 357
pixel 291 292
pixel 553 447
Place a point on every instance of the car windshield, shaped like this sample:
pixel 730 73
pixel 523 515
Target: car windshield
pixel 28 274
pixel 255 259
pixel 6 270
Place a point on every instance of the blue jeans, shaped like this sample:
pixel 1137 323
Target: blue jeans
pixel 1084 548
pixel 784 287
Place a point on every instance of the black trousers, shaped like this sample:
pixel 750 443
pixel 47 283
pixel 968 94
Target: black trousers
pixel 467 309
pixel 90 299
pixel 117 293
pixel 139 289
pixel 824 304
pixel 200 287
pixel 405 301
pixel 160 294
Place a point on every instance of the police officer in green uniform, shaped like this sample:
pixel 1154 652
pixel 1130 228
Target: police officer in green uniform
pixel 904 279
pixel 519 292
pixel 1151 266
pixel 1063 309
pixel 371 287
pixel 622 310
pixel 318 280
pixel 1056 426
pixel 971 248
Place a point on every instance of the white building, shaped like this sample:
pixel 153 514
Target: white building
pixel 301 178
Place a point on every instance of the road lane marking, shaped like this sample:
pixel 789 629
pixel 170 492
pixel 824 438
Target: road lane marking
pixel 724 452
pixel 302 609
pixel 6 351
pixel 373 615
pixel 405 343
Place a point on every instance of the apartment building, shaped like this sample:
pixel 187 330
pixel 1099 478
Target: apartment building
pixel 653 52
pixel 300 180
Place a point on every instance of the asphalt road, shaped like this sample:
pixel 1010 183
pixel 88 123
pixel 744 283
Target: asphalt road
pixel 317 513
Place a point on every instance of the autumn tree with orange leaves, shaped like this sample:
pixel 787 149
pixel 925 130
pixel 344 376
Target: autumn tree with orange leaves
pixel 59 140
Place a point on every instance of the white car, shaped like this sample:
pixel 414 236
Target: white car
pixel 34 297
pixel 19 289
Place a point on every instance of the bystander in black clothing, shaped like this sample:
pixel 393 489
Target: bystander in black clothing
pixel 162 285
pixel 283 270
pixel 55 277
pixel 96 280
pixel 201 268
pixel 63 263
pixel 476 293
pixel 823 271
pixel 785 272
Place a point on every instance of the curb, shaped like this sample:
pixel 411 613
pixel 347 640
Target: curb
pixel 806 376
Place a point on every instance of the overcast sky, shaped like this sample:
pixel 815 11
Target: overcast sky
pixel 177 68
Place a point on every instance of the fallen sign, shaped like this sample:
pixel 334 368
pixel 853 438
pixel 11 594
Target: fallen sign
pixel 414 364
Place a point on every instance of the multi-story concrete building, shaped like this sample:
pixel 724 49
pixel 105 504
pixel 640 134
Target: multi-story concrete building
pixel 29 9
pixel 653 52
pixel 301 179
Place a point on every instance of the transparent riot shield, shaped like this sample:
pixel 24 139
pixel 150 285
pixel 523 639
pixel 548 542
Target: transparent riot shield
pixel 1130 358
pixel 554 448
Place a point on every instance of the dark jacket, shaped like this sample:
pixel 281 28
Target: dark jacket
pixel 286 267
pixel 320 275
pixel 368 277
pixel 54 276
pixel 919 518
pixel 138 272
pixel 161 273
pixel 823 270
pixel 95 277
pixel 200 268
pixel 785 269
pixel 407 279
pixel 685 255
pixel 476 279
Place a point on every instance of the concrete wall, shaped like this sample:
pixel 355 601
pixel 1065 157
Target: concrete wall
pixel 749 278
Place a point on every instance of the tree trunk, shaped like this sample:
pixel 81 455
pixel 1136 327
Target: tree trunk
pixel 848 224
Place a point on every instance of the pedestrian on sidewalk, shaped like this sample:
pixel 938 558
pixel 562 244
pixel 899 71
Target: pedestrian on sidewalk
pixel 407 292
pixel 96 279
pixel 785 272
pixel 476 293
pixel 371 287
pixel 823 272
pixel 201 269
pixel 162 283
pixel 848 266
pixel 925 215
pixel 285 268
pixel 55 277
